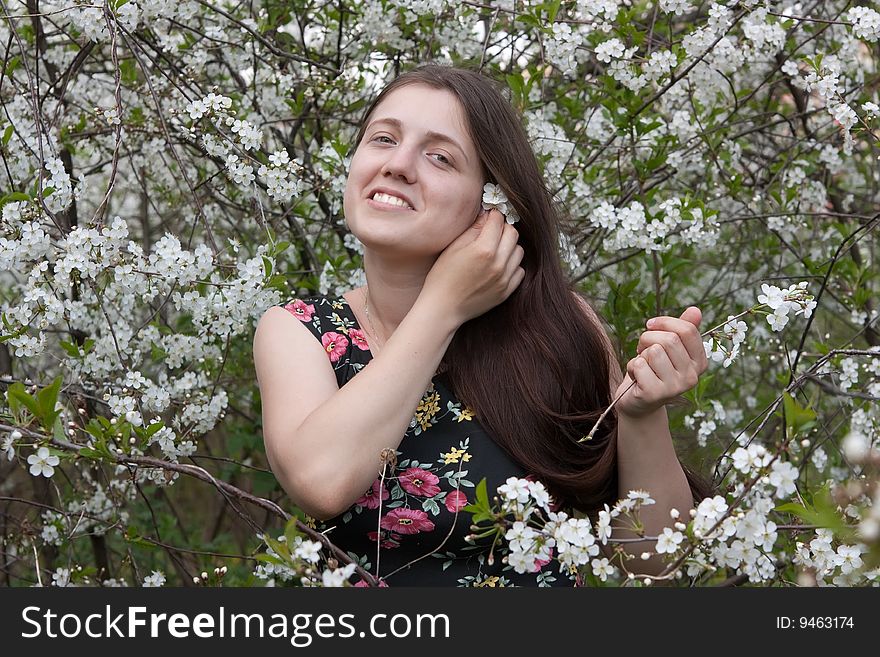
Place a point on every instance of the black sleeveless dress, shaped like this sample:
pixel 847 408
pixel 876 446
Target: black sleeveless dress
pixel 444 454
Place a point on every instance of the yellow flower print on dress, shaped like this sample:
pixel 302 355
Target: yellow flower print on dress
pixel 461 414
pixel 427 409
pixel 454 454
pixel 492 581
pixel 342 325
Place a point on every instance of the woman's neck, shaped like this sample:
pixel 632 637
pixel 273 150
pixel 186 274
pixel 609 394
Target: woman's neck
pixel 392 287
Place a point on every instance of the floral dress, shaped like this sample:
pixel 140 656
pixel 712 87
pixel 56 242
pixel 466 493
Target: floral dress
pixel 413 512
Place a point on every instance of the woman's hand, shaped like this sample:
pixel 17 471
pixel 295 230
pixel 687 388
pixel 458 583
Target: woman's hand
pixel 478 270
pixel 670 362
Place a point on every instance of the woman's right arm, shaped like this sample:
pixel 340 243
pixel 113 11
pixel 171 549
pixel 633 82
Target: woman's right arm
pixel 324 442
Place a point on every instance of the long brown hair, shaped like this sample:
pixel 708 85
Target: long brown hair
pixel 535 369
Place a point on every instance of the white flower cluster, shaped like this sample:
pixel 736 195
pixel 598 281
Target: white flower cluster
pixel 762 35
pixel 842 565
pixel 88 20
pixel 865 23
pixel 281 182
pixel 742 541
pixel 827 85
pixel 422 7
pixel 494 198
pixel 154 579
pixel 52 522
pixel 59 181
pixel 753 537
pixel 778 300
pixel 549 141
pixel 782 301
pixel 249 135
pixel 561 46
pixel 610 50
pixel 207 106
pixel 733 330
pixel 565 47
pixel 710 419
pixel 281 175
pixel 537 531
pixel 304 553
pixel 677 7
pixel 237 171
pixel 672 223
pixel 61 577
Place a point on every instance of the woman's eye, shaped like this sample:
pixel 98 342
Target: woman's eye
pixel 442 158
pixel 378 137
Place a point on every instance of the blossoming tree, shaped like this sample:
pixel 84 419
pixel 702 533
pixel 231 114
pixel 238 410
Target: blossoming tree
pixel 171 169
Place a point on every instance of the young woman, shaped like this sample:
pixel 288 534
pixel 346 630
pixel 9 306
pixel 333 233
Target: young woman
pixel 467 355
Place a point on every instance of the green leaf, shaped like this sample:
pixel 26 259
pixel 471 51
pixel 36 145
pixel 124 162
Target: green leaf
pixel 47 398
pixel 132 535
pixel 822 512
pixel 14 196
pixel 17 397
pixel 797 418
pixel 129 71
pixel 278 547
pixel 7 134
pixel 10 66
pixel 480 508
pixel 153 428
pixel 268 558
pixel 291 531
pixel 70 348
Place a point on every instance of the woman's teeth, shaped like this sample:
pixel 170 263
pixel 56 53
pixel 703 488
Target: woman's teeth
pixel 390 200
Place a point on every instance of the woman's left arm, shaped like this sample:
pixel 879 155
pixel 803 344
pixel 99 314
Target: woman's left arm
pixel 671 359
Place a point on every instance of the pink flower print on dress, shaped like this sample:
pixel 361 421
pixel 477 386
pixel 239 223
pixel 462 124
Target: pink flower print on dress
pixel 370 499
pixel 335 345
pixel 416 481
pixel 407 521
pixel 359 339
pixel 455 500
pixel 386 542
pixel 363 584
pixel 301 310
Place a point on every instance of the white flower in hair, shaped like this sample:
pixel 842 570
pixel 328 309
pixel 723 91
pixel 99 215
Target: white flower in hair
pixel 495 198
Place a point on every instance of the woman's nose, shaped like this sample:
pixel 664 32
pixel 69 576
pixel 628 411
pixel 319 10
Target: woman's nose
pixel 400 163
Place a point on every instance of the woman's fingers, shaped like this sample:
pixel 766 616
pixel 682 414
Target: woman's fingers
pixel 670 342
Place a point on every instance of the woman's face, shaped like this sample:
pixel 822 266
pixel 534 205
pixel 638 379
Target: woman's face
pixel 415 181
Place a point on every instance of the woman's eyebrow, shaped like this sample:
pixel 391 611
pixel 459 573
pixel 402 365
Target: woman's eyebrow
pixel 430 134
